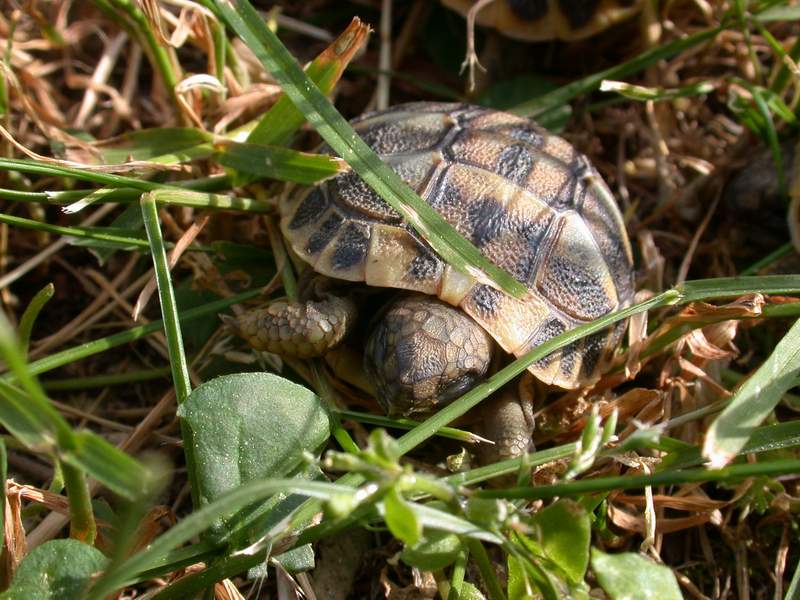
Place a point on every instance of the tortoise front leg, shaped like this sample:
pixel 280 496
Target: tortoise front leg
pixel 507 420
pixel 299 329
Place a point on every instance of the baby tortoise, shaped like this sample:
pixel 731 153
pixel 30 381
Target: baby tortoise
pixel 536 20
pixel 527 199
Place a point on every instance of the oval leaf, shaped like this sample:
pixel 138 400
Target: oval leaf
pixel 400 519
pixel 436 551
pixel 55 570
pixel 565 534
pixel 251 426
pixel 630 576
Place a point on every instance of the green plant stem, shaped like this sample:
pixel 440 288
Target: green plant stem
pixel 486 568
pixel 399 423
pixel 625 482
pixel 82 525
pixel 172 330
pixel 101 381
pixel 28 318
pixel 76 232
pixel 457 576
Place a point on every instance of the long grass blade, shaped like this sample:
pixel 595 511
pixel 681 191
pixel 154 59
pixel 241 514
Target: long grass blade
pixel 754 400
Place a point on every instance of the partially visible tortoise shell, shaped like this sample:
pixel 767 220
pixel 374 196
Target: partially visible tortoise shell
pixel 535 20
pixel 527 199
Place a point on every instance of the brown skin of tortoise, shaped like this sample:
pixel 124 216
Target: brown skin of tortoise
pixel 527 199
pixel 536 20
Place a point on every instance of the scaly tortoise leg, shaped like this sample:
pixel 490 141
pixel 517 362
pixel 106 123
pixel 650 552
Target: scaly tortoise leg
pixel 299 329
pixel 507 420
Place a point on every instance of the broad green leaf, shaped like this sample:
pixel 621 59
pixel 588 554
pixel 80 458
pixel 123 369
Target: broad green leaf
pixel 563 531
pixel 754 400
pixel 274 162
pixel 436 550
pixel 298 559
pixel 468 592
pixel 400 518
pixel 542 582
pixel 250 426
pixel 56 570
pixel 629 576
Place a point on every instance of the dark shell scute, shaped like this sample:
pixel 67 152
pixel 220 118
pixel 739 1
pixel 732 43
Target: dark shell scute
pixel 593 346
pixel 578 12
pixel 310 209
pixel 547 331
pixel 354 193
pixel 326 232
pixel 425 265
pixel 529 10
pixel 515 163
pixel 416 133
pixel 575 289
pixel 351 246
pixel 569 355
pixel 533 234
pixel 486 300
pixel 488 219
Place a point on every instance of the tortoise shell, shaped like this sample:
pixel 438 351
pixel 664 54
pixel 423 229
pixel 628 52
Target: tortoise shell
pixel 527 199
pixel 535 20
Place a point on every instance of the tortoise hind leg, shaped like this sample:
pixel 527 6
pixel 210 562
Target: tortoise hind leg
pixel 299 329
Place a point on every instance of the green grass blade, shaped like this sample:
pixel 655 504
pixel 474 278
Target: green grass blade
pixel 202 519
pixel 196 199
pixel 754 400
pixel 448 243
pixel 729 474
pixel 274 162
pixel 87 233
pixel 563 95
pixel 731 287
pixel 169 308
pixel 172 330
pixel 28 318
pixel 70 355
